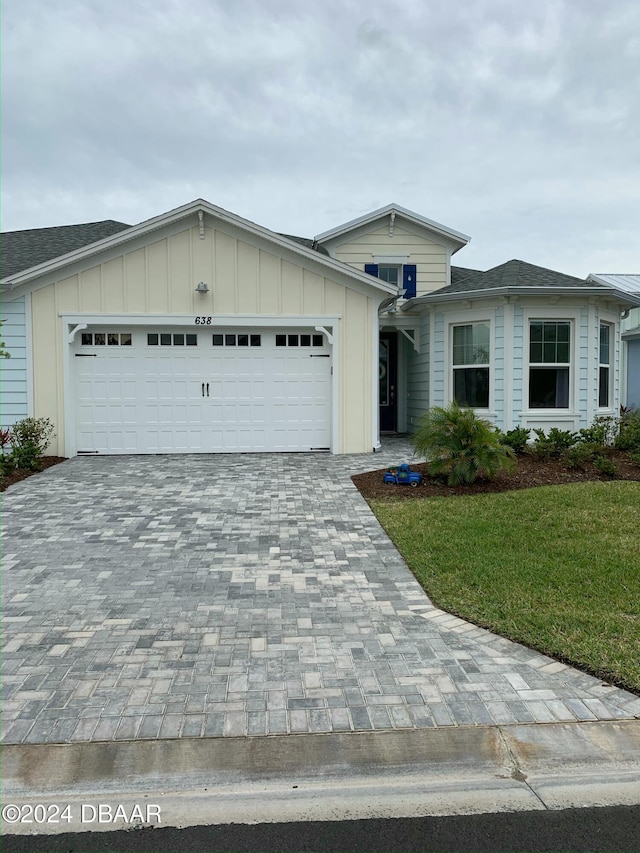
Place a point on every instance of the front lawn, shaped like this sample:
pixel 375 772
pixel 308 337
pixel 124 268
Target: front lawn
pixel 556 567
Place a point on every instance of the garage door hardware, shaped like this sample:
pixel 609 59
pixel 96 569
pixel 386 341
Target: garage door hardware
pixel 320 355
pixel 203 386
pixel 86 355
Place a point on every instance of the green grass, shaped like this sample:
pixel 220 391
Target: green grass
pixel 556 568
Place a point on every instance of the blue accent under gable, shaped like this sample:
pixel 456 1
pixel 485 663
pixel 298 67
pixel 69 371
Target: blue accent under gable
pixel 409 280
pixel 13 371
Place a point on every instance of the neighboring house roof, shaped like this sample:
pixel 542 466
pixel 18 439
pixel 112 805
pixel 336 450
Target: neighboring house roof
pixel 630 282
pixel 460 273
pixel 456 237
pixel 200 206
pixel 20 250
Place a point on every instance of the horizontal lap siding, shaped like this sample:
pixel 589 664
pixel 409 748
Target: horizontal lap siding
pixel 13 371
pixel 430 258
pixel 160 278
pixel 418 377
pixel 498 365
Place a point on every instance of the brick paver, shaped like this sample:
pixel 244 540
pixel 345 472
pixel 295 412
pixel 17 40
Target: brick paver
pixel 208 596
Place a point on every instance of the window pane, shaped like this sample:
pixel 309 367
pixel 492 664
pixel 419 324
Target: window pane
pixel 87 339
pixel 255 340
pixel 292 340
pixel 603 392
pixel 471 387
pixel 535 352
pixel 604 343
pixel 152 339
pixel 318 340
pixel 549 388
pixel 388 273
pixel 562 353
pixel 99 339
pixel 536 332
pixel 563 332
pixel 471 344
pixel 191 340
pixel 305 340
pixel 165 339
pixel 549 353
pixel 229 340
pixel 243 340
pixel 125 339
pixel 218 340
pixel 281 340
pixel 549 343
pixel 113 339
pixel 550 332
pixel 178 340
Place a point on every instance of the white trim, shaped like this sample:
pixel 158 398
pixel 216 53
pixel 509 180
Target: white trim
pixel 240 320
pixel 603 410
pixel 390 260
pixel 432 349
pixel 410 215
pixel 28 327
pixel 375 383
pixel 508 320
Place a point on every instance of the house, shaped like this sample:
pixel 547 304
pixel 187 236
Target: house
pixel 198 331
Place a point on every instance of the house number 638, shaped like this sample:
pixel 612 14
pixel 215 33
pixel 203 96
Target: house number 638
pixel 203 321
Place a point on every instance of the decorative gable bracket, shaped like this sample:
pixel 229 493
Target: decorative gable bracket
pixel 412 336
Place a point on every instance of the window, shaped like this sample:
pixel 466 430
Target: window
pixel 167 339
pixel 471 352
pixel 299 340
pixel 100 339
pixel 549 364
pixel 400 275
pixel 236 340
pixel 604 385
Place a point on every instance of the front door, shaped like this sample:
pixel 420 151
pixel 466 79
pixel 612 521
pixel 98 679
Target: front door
pixel 388 373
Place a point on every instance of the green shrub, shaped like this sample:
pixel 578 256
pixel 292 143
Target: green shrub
pixel 516 439
pixel 34 432
pixel 26 456
pixel 7 464
pixel 606 466
pixel 581 454
pixel 628 437
pixel 602 431
pixel 634 456
pixel 459 445
pixel 553 443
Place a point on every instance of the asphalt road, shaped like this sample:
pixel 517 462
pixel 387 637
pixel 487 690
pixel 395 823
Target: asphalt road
pixel 605 830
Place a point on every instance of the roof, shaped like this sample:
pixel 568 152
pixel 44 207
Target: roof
pixel 455 236
pixel 511 274
pixel 121 234
pixel 20 250
pixel 308 242
pixel 629 282
pixel 460 273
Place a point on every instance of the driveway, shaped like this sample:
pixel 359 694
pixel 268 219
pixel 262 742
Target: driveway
pixel 197 596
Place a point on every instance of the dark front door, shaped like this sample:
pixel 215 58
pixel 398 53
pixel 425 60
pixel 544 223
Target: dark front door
pixel 388 372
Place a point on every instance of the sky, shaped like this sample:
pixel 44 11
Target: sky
pixel 512 121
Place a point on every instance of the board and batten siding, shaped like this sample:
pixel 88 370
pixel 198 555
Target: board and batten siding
pixel 243 277
pixel 14 399
pixel 430 258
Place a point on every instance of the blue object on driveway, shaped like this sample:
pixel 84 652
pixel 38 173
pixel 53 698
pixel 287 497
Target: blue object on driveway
pixel 403 475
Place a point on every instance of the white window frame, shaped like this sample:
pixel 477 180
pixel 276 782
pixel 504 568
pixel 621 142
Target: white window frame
pixel 609 366
pixel 550 315
pixel 469 318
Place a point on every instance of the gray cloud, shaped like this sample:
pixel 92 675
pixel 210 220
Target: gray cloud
pixel 514 122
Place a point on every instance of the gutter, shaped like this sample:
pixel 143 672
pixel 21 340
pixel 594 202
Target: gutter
pixel 464 295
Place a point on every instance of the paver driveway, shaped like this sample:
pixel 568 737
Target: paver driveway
pixel 178 596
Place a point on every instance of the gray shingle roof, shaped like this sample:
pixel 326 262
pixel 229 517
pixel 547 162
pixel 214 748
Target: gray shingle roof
pixel 20 250
pixel 460 273
pixel 512 274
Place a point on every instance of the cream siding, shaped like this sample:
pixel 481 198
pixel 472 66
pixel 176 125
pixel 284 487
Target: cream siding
pixel 429 257
pixel 243 277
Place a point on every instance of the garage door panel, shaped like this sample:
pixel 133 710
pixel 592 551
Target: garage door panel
pixel 167 399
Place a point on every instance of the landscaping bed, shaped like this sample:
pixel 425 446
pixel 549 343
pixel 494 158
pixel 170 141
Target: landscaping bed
pixel 530 471
pixel 22 473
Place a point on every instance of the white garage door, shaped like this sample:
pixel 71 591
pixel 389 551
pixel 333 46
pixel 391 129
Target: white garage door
pixel 177 391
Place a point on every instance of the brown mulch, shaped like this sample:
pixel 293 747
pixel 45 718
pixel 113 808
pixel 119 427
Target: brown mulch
pixel 529 472
pixel 22 474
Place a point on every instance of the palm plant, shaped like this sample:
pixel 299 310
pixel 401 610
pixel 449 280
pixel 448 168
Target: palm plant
pixel 461 446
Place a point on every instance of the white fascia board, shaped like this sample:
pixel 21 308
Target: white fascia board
pixel 171 216
pixel 410 215
pixel 461 296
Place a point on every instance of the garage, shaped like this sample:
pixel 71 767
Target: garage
pixel 213 390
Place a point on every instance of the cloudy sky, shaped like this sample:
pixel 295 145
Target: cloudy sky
pixel 513 121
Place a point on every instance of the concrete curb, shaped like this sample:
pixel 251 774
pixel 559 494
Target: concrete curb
pixel 411 773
